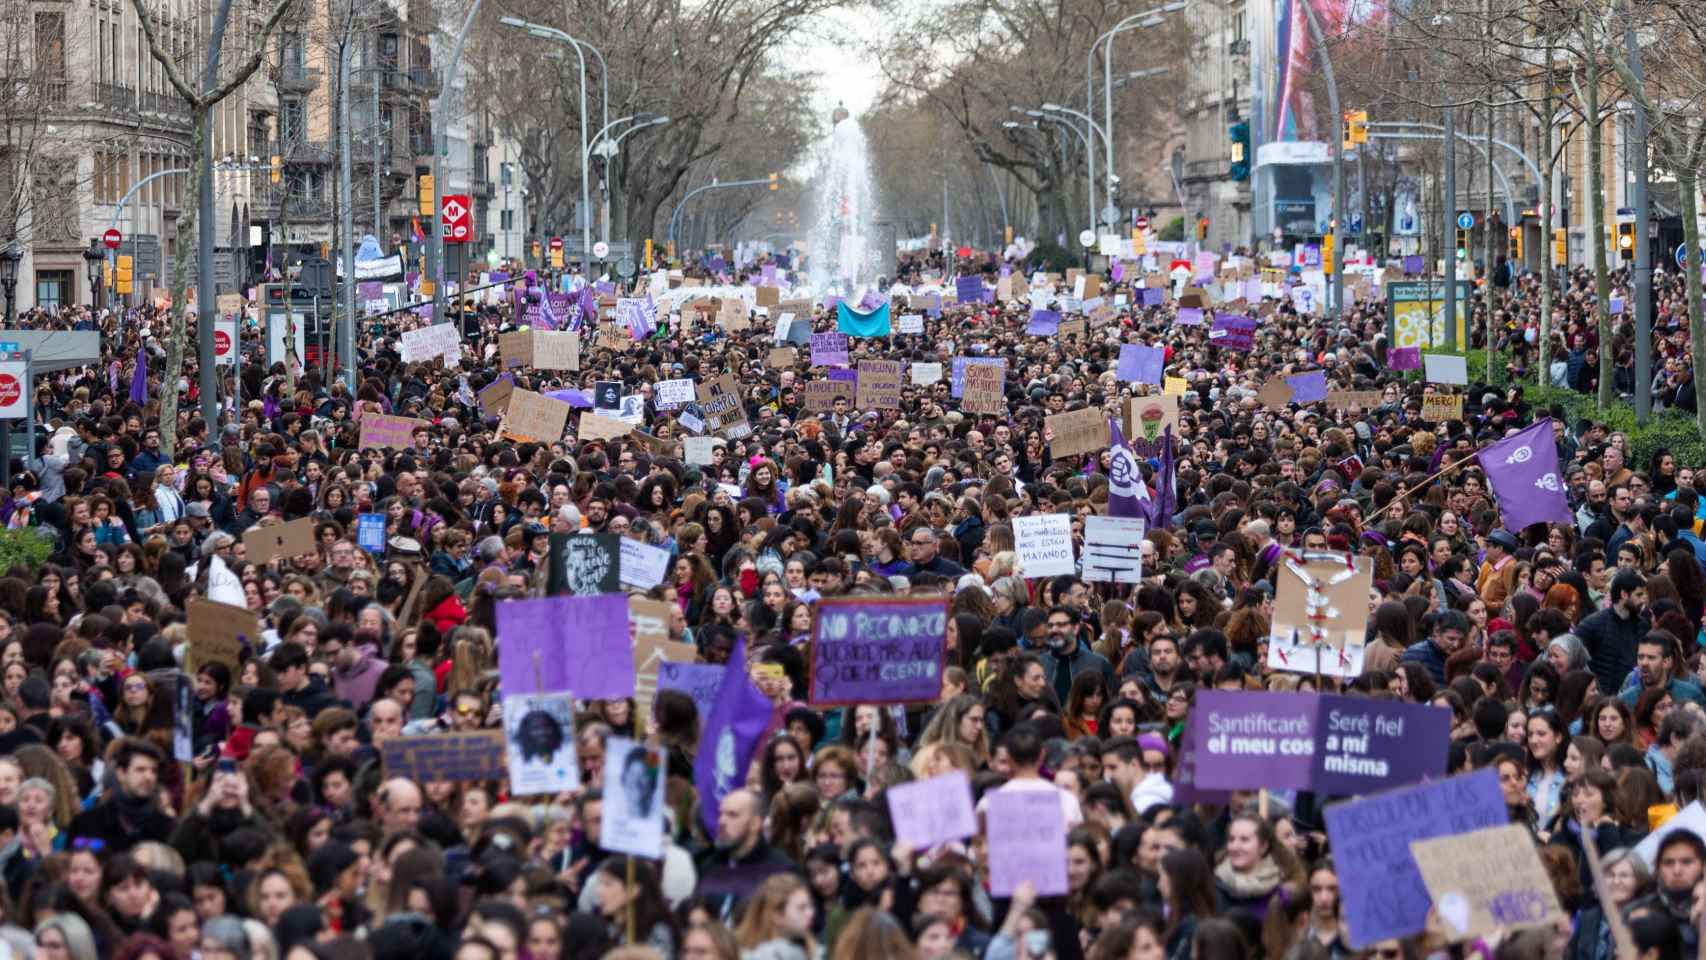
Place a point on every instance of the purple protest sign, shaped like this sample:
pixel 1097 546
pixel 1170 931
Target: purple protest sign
pixel 1117 271
pixel 1233 332
pixel 933 306
pixel 1404 358
pixel 1252 289
pixel 842 374
pixel 933 811
pixel 1413 265
pixel 1031 844
pixel 957 373
pixel 1185 789
pixel 768 274
pixel 1329 744
pixel 877 651
pixel 1380 888
pixel 1189 317
pixel 369 290
pixel 1312 255
pixel 700 681
pixel 568 644
pixel 969 289
pixel 1310 387
pixel 1140 363
pixel 1153 297
pixel 1043 323
pixel 829 349
pixel 870 301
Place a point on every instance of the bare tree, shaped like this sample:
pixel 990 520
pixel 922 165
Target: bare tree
pixel 39 177
pixel 200 98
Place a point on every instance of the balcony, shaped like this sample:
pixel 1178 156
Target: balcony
pixel 115 96
pixel 296 78
pixel 54 91
pixel 482 188
pixel 305 206
pixel 424 80
pixel 167 104
pixel 301 151
pixel 421 143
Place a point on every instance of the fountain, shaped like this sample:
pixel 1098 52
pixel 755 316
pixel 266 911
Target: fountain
pixel 841 259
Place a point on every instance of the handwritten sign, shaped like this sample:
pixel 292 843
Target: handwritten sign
pixel 279 541
pixel 877 651
pixel 933 811
pixel 597 426
pixel 449 757
pixel 1487 880
pixel 218 632
pixel 642 565
pixel 1338 400
pixel 556 351
pixel 781 358
pixel 584 563
pixel 879 385
pixel 829 349
pixel 819 396
pixel 676 391
pixel 425 343
pixel 698 680
pixel 494 397
pixel 382 431
pixel 719 401
pixel 985 388
pixel 1044 545
pixel 1440 407
pixel 1027 841
pixel 515 349
pixel 532 416
pixel 925 374
pixel 1077 433
pixel 911 323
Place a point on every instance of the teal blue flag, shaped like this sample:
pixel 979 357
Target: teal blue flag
pixel 856 324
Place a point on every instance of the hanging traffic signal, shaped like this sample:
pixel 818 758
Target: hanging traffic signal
pixel 775 181
pixel 1626 241
pixel 1202 229
pixel 1516 243
pixel 277 168
pixel 1239 134
pixel 1356 127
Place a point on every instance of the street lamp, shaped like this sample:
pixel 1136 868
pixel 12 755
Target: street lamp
pixel 538 31
pixel 93 259
pixel 10 256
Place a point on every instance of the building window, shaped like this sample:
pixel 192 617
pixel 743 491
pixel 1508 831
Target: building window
pixel 53 288
pixel 292 121
pixel 50 56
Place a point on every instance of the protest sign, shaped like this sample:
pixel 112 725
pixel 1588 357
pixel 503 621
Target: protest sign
pixel 424 343
pixel 877 651
pixel 781 358
pixel 676 391
pixel 925 374
pixel 634 777
pixel 597 426
pixel 279 541
pixel 1404 358
pixel 1691 818
pixel 1232 332
pixel 1381 891
pixel 515 349
pixel 819 396
pixel 1044 545
pixel 566 644
pixel 1077 433
pixel 584 563
pixel 1140 364
pixel 649 620
pixel 1043 323
pixel 1027 841
pixel 719 403
pixel 733 315
pixel 698 680
pixel 878 386
pixel 1447 368
pixel 450 757
pixel 1189 317
pixel 1147 418
pixel 1320 612
pixel 381 431
pixel 642 566
pixel 985 388
pixel 1487 880
pixel 539 743
pixel 218 632
pixel 1174 387
pixel 607 396
pixel 957 372
pixel 1308 387
pixel 1330 744
pixel 531 416
pixel 494 397
pixel 1075 327
pixel 829 349
pixel 701 450
pixel 370 532
pixel 556 351
pixel 1274 394
pixel 1185 789
pixel 1440 407
pixel 1113 550
pixel 933 811
pixel 1338 400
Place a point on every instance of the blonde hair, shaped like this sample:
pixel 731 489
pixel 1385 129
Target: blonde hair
pixel 758 923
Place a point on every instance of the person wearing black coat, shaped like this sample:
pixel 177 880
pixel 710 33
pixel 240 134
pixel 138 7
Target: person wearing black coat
pixel 131 815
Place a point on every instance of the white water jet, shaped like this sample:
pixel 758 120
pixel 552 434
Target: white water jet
pixel 841 258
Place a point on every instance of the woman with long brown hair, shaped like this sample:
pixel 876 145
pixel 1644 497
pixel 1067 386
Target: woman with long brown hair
pixel 781 909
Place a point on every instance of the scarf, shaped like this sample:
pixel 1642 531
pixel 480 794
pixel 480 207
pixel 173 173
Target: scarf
pixel 1256 884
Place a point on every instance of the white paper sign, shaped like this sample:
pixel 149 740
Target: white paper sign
pixel 1045 545
pixel 700 449
pixel 912 323
pixel 690 423
pixel 634 778
pixel 782 324
pixel 539 743
pixel 1113 549
pixel 676 391
pixel 924 374
pixel 424 343
pixel 1446 368
pixel 643 565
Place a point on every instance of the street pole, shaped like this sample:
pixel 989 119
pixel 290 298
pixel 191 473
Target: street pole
pixel 1338 224
pixel 204 289
pixel 346 333
pixel 440 111
pixel 1449 223
pixel 379 230
pixel 1643 266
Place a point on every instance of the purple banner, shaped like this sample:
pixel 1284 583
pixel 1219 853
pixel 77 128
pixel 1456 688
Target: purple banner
pixel 1233 332
pixel 877 651
pixel 1140 364
pixel 1329 744
pixel 829 349
pixel 1043 323
pixel 1189 317
pixel 1404 358
pixel 569 644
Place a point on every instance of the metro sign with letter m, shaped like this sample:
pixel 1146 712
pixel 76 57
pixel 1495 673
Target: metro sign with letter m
pixel 457 215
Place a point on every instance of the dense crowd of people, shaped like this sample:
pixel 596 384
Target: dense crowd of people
pixel 1569 655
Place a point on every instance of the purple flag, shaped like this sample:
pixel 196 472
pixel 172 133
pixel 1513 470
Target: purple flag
pixel 588 309
pixel 1523 472
pixel 732 731
pixel 1166 500
pixel 1140 364
pixel 1127 496
pixel 139 379
pixel 112 376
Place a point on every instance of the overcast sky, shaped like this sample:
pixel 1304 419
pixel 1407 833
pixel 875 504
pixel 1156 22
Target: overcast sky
pixel 832 49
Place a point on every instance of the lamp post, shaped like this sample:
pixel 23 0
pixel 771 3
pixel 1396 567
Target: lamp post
pixel 93 258
pixel 10 257
pixel 608 147
pixel 551 33
pixel 1148 18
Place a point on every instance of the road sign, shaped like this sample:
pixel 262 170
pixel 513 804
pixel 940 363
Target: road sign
pixel 224 340
pixel 1087 238
pixel 1110 214
pixel 1682 254
pixel 601 250
pixel 1466 221
pixel 458 216
pixel 556 243
pixel 1141 223
pixel 12 403
pixel 627 267
pixel 112 238
pixel 1356 223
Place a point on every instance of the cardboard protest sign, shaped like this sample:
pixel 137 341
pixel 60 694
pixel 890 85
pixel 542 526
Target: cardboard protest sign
pixel 451 757
pixel 634 777
pixel 556 351
pixel 1027 841
pixel 1113 550
pixel 218 633
pixel 1075 327
pixel 1487 880
pixel 1381 891
pixel 612 337
pixel 1321 605
pixel 985 388
pixel 1274 394
pixel 1077 433
pixel 719 401
pixel 516 349
pixel 584 563
pixel 933 811
pixel 1044 545
pixel 280 541
pixel 819 396
pixel 566 644
pixel 494 397
pixel 380 431
pixel 781 358
pixel 1440 407
pixel 597 426
pixel 539 743
pixel 1147 418
pixel 642 566
pixel 1301 741
pixel 733 315
pixel 925 374
pixel 877 650
pixel 533 416
pixel 649 621
pixel 878 386
pixel 767 296
pixel 1338 400
pixel 1174 387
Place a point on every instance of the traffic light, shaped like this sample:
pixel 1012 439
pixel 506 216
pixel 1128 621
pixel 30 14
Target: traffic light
pixel 277 168
pixel 1462 243
pixel 1239 134
pixel 1516 243
pixel 1356 126
pixel 775 181
pixel 1202 228
pixel 1626 241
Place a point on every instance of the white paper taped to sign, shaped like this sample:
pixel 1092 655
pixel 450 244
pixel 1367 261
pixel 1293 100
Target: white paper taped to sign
pixel 676 391
pixel 1044 544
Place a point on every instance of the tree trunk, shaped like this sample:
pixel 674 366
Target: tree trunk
pixel 1596 211
pixel 1544 336
pixel 183 323
pixel 1686 182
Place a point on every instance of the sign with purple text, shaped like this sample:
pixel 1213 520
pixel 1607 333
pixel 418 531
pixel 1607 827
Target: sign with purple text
pixel 1029 844
pixel 1301 741
pixel 877 651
